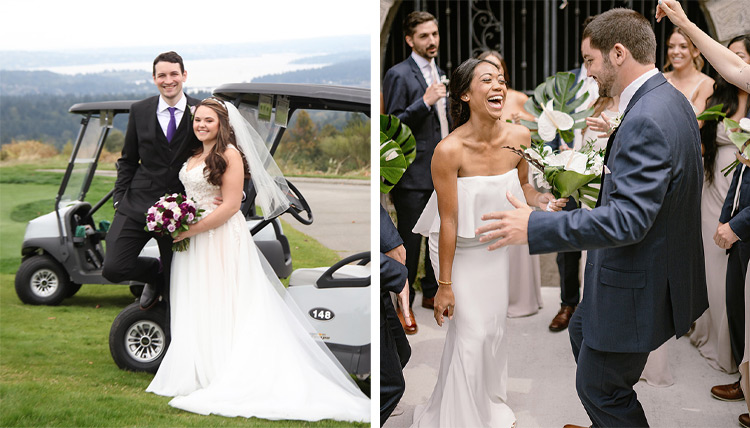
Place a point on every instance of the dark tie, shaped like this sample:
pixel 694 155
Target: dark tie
pixel 606 157
pixel 172 126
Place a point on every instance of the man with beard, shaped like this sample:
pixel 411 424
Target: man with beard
pixel 413 91
pixel 645 276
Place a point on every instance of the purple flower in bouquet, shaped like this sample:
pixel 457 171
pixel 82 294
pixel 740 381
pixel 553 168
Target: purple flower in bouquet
pixel 173 214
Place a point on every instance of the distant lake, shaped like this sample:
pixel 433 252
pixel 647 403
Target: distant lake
pixel 208 73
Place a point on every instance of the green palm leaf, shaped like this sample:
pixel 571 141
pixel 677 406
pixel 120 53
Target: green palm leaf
pixel 398 148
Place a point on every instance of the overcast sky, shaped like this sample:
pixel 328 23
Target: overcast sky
pixel 66 25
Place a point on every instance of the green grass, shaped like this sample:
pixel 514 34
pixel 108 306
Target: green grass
pixel 55 366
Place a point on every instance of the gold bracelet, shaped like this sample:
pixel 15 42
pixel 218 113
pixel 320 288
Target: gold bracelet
pixel 444 282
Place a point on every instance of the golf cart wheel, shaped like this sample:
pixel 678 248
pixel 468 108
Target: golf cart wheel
pixel 41 281
pixel 72 289
pixel 137 339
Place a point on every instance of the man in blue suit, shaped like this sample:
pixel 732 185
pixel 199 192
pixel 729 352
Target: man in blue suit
pixel 645 278
pixel 414 92
pixel 733 235
pixel 394 347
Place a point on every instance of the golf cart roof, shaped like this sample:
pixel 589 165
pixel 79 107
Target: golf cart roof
pixel 301 96
pixel 95 107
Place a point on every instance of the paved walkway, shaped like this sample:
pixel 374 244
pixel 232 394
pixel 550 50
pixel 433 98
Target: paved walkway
pixel 541 369
pixel 341 213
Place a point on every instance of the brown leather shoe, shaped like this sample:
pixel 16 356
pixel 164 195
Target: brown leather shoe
pixel 562 319
pixel 428 302
pixel 574 426
pixel 731 392
pixel 745 420
pixel 408 328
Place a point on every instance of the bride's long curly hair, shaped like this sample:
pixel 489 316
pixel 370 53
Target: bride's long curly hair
pixel 216 163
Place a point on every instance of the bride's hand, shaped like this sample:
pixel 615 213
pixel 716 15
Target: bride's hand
pixel 547 202
pixel 444 304
pixel 600 124
pixel 184 235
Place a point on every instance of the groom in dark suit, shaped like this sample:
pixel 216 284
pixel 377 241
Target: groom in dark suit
pixel 645 278
pixel 413 91
pixel 159 139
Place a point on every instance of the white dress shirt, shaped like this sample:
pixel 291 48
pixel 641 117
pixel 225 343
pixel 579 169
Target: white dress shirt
pixel 630 90
pixel 163 114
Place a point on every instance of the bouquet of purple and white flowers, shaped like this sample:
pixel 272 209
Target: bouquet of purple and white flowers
pixel 173 214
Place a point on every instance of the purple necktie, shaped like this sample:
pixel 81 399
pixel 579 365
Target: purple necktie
pixel 172 126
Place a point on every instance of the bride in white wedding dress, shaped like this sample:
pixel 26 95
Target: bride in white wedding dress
pixel 239 345
pixel 472 173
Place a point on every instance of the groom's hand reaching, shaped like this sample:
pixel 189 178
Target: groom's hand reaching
pixel 511 227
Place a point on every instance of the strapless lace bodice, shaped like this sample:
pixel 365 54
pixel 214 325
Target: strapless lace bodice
pixel 477 195
pixel 198 187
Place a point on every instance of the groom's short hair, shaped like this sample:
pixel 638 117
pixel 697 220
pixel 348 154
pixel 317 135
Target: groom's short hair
pixel 624 26
pixel 170 56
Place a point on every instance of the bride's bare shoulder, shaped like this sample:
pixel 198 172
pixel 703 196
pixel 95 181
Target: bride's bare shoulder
pixel 516 135
pixel 450 146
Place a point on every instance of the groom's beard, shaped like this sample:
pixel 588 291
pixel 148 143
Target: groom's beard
pixel 606 78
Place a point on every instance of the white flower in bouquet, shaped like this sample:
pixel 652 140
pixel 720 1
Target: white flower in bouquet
pixel 597 164
pixel 554 106
pixel 569 160
pixel 551 121
pixel 568 173
pixel 540 181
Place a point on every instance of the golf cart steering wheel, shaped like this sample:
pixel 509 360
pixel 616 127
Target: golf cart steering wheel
pixel 298 205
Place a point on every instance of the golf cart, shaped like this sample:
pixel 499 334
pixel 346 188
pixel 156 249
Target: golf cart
pixel 65 248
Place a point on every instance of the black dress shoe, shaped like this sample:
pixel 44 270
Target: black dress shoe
pixel 149 297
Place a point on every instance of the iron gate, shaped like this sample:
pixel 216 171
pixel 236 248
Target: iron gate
pixel 537 38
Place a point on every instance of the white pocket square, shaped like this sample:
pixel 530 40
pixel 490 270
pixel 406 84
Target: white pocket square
pixel 606 170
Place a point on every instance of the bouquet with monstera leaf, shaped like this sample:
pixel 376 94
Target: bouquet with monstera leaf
pixel 398 148
pixel 567 173
pixel 553 104
pixel 739 134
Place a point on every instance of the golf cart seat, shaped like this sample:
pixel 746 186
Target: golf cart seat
pixel 341 293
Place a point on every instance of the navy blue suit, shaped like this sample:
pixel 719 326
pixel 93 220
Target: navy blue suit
pixel 739 254
pixel 403 89
pixel 645 275
pixel 394 347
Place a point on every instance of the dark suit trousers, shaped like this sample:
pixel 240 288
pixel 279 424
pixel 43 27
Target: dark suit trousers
pixel 604 380
pixel 568 265
pixel 739 255
pixel 409 204
pixel 394 354
pixel 125 240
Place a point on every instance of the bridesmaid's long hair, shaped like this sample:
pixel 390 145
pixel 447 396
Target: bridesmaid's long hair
pixel 459 85
pixel 727 94
pixel 216 163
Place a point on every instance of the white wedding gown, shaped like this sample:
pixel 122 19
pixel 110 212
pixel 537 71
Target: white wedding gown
pixel 473 375
pixel 237 348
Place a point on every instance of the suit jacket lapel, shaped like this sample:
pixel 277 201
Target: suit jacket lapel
pixel 417 73
pixel 654 81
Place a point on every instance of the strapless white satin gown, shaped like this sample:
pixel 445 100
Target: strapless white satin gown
pixel 473 374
